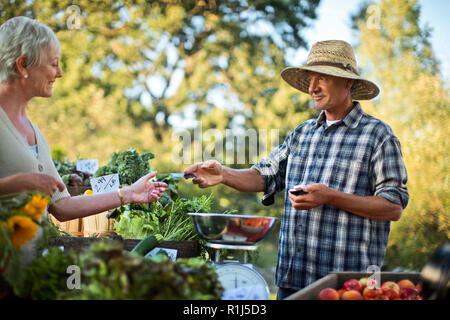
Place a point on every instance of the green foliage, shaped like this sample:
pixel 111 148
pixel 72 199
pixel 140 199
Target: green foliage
pixel 64 167
pixel 29 207
pixel 58 154
pixel 119 47
pixel 128 164
pixel 170 220
pixel 45 277
pixel 109 272
pixel 415 102
pixel 136 224
pixel 69 173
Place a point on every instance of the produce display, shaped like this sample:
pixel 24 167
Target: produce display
pixel 70 175
pixel 167 218
pixel 107 271
pixel 354 289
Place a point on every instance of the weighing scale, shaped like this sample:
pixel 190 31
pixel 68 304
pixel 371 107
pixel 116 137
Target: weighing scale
pixel 236 232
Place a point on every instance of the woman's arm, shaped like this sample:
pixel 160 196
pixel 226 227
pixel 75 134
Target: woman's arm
pixel 142 191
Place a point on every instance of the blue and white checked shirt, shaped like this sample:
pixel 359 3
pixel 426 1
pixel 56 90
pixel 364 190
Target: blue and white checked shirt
pixel 359 155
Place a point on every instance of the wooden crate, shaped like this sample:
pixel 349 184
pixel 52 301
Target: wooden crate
pixel 336 280
pixel 97 224
pixel 185 249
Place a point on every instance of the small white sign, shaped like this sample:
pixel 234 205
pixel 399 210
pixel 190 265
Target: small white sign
pixel 87 165
pixel 172 253
pixel 105 184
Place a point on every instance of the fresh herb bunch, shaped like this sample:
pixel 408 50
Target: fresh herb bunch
pixel 175 222
pixel 128 164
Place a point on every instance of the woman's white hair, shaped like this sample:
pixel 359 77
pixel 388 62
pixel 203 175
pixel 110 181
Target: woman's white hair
pixel 22 36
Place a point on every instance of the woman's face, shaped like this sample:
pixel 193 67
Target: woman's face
pixel 41 77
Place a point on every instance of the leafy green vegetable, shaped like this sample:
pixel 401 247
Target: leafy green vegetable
pixel 171 219
pixel 129 165
pixel 64 167
pixel 45 277
pixel 136 224
pixel 109 272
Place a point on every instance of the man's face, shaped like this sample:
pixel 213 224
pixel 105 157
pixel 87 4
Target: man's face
pixel 328 92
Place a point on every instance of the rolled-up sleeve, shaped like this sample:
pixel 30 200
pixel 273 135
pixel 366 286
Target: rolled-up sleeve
pixel 273 171
pixel 389 173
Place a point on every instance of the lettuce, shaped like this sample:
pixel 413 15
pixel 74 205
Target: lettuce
pixel 136 224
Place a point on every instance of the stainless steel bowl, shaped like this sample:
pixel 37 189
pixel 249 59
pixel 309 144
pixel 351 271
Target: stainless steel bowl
pixel 231 228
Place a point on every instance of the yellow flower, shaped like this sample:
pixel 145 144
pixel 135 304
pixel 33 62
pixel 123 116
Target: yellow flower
pixel 36 206
pixel 22 230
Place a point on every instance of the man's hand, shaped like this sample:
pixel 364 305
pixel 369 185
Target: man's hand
pixel 208 173
pixel 316 195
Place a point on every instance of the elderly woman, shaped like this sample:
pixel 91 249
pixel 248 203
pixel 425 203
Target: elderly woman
pixel 29 66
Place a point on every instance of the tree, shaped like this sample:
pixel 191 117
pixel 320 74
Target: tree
pixel 152 63
pixel 415 102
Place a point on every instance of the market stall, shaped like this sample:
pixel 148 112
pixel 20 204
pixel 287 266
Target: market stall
pixel 112 254
pixel 173 248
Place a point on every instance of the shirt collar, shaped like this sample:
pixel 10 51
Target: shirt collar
pixel 351 120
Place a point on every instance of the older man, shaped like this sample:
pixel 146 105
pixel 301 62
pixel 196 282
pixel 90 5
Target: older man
pixel 348 164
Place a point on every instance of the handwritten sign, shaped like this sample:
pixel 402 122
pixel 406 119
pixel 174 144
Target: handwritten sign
pixel 87 165
pixel 172 253
pixel 105 184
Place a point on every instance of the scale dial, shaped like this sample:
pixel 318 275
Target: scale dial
pixel 235 276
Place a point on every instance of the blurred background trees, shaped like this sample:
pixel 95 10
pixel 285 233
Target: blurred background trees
pixel 415 102
pixel 141 74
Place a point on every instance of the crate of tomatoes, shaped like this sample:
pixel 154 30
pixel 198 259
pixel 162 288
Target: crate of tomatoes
pixel 363 286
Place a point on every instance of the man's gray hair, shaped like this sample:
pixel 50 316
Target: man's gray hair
pixel 22 36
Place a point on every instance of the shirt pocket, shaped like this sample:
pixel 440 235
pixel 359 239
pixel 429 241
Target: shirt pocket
pixel 346 174
pixel 296 169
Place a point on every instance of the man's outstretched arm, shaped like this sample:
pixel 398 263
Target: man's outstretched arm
pixel 212 172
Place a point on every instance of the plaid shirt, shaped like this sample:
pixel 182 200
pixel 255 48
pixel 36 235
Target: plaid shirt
pixel 359 155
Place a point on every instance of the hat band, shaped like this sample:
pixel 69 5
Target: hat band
pixel 347 67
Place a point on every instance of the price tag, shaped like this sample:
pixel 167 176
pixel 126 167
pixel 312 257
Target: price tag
pixel 87 165
pixel 105 184
pixel 172 253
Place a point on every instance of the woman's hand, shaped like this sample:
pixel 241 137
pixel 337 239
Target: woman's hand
pixel 27 181
pixel 143 190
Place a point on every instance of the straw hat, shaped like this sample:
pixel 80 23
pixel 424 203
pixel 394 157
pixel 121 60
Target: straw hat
pixel 335 58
